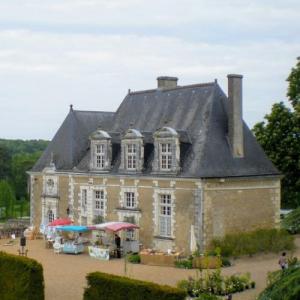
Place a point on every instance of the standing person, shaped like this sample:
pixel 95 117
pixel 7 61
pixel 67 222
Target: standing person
pixel 22 244
pixel 118 245
pixel 283 261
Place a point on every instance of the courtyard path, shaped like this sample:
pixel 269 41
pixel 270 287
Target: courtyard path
pixel 65 274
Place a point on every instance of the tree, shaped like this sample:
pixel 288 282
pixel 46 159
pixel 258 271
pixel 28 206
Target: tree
pixel 7 198
pixel 5 160
pixel 294 85
pixel 279 136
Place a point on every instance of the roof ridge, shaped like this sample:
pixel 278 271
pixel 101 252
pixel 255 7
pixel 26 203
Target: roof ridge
pixel 174 88
pixel 94 111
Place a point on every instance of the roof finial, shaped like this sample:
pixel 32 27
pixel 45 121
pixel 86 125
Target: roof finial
pixel 71 107
pixel 129 91
pixel 99 126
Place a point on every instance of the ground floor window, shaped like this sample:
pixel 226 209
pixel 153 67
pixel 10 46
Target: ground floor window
pixel 50 216
pixel 165 215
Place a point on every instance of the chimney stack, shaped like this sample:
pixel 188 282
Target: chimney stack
pixel 235 112
pixel 166 82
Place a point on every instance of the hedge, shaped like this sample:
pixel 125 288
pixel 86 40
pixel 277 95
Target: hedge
pixel 102 286
pixel 20 278
pixel 286 286
pixel 249 243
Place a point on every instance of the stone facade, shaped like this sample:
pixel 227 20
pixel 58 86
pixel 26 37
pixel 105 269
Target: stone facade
pixel 205 208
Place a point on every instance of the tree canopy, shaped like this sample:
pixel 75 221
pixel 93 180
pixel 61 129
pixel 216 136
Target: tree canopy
pixel 279 135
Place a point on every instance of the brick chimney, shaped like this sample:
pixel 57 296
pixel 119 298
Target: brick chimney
pixel 235 115
pixel 166 82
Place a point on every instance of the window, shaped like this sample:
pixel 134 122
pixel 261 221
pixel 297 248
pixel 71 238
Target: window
pixel 83 199
pixel 99 202
pixel 166 156
pixel 50 216
pixel 131 156
pixel 130 200
pixel 100 156
pixel 165 215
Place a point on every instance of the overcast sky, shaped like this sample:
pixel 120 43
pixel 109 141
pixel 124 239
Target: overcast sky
pixel 89 52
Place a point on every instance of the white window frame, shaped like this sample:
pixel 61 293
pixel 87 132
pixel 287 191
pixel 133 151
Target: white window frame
pixel 129 200
pixel 100 156
pixel 159 215
pixel 84 200
pixel 99 202
pixel 51 216
pixel 131 161
pixel 165 215
pixel 166 156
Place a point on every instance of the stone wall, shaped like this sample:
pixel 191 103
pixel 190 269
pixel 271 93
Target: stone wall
pixel 233 205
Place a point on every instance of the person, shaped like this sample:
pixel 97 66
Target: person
pixel 22 244
pixel 79 239
pixel 283 261
pixel 118 245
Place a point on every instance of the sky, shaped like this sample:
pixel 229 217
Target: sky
pixel 88 53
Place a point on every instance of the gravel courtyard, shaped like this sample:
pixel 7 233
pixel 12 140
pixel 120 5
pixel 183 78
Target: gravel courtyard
pixel 65 274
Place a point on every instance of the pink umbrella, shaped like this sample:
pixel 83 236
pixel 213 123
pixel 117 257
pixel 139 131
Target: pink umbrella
pixel 59 222
pixel 114 226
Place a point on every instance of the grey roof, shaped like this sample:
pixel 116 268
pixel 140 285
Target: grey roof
pixel 71 141
pixel 197 112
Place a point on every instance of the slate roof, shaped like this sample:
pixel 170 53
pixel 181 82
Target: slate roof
pixel 197 112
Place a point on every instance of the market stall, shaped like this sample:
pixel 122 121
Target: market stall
pixel 106 249
pixel 74 246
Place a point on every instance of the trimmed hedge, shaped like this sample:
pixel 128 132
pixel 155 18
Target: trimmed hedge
pixel 249 243
pixel 286 285
pixel 102 286
pixel 20 278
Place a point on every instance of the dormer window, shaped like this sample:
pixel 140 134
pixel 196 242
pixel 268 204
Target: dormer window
pixel 166 151
pixel 132 148
pixel 100 151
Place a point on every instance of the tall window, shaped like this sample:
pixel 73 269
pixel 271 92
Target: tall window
pixel 100 156
pixel 99 202
pixel 131 156
pixel 166 156
pixel 50 216
pixel 165 215
pixel 130 200
pixel 84 199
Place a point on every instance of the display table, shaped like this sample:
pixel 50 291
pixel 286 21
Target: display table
pixel 131 246
pixel 71 247
pixel 98 252
pixel 158 258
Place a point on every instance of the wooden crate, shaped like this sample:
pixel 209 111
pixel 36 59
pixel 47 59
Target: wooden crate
pixel 159 259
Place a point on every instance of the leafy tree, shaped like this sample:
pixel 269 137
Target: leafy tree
pixel 294 85
pixel 7 198
pixel 20 164
pixel 5 160
pixel 279 136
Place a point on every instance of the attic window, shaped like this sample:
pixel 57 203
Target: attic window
pixel 132 148
pixel 167 150
pixel 100 151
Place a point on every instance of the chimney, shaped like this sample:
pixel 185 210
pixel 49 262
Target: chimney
pixel 166 82
pixel 235 118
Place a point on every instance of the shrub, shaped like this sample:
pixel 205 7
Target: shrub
pixel 184 263
pixel 103 286
pixel 225 262
pixel 207 297
pixel 283 285
pixel 214 283
pixel 134 258
pixel 20 278
pixel 249 243
pixel 291 222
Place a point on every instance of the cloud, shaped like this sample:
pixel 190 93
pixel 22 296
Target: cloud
pixel 47 61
